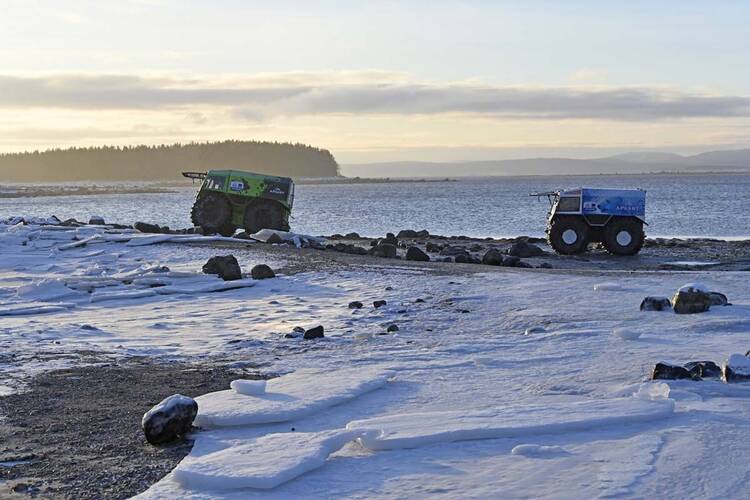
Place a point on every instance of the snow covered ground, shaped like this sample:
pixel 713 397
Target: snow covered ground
pixel 509 383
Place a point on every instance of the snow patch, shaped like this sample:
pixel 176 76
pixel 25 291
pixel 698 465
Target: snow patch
pixel 289 397
pixel 537 451
pixel 627 333
pixel 248 387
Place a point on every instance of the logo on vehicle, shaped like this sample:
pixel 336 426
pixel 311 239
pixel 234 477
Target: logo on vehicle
pixel 237 185
pixel 276 190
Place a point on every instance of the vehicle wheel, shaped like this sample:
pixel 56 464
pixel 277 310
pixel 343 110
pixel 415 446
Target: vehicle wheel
pixel 265 215
pixel 624 236
pixel 568 235
pixel 212 212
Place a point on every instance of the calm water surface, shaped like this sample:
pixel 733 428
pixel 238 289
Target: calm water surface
pixel 676 205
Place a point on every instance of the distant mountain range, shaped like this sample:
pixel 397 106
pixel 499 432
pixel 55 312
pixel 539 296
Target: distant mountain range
pixel 737 160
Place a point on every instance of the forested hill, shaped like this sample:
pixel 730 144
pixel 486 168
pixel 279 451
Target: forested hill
pixel 146 163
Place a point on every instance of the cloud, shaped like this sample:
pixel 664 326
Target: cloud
pixel 266 96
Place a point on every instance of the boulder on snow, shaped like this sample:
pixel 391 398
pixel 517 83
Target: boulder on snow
pixel 416 253
pixel 466 258
pixel 226 266
pixel 314 333
pixel 433 247
pixel 492 258
pixel 704 369
pixel 386 250
pixel 274 239
pixel 170 419
pixel 655 304
pixel 392 328
pixel 145 227
pixel 96 220
pixel 736 369
pixel 511 261
pixel 355 305
pixel 691 299
pixel 262 272
pixel 666 371
pixel 718 299
pixel 524 249
pixel 379 303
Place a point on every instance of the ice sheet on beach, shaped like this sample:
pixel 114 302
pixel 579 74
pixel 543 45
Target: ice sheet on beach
pixel 289 397
pixel 413 430
pixel 298 240
pixel 261 463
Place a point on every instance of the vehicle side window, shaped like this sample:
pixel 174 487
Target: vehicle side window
pixel 215 182
pixel 569 204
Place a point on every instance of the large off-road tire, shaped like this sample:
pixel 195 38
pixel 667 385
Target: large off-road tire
pixel 265 214
pixel 624 236
pixel 568 235
pixel 213 213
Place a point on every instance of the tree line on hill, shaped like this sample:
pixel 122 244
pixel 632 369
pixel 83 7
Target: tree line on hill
pixel 166 162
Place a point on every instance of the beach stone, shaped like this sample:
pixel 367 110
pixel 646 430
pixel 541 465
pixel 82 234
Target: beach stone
pixel 352 236
pixel 655 304
pixel 511 261
pixel 274 239
pixel 433 247
pixel 392 328
pixel 704 369
pixel 718 299
pixel 314 333
pixel 736 369
pixel 465 258
pixel 524 249
pixel 386 250
pixel 524 265
pixel 262 272
pixel 416 253
pixel 170 419
pixel 406 233
pixel 379 303
pixel 96 220
pixel 226 266
pixel 452 251
pixel 666 371
pixel 355 305
pixel 298 329
pixel 492 258
pixel 545 265
pixel 145 227
pixel 691 299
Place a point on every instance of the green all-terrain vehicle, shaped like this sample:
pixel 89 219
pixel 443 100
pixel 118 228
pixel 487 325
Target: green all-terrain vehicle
pixel 231 199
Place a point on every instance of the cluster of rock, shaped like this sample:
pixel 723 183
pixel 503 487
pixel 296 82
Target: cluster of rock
pixel 689 299
pixel 228 269
pixel 735 369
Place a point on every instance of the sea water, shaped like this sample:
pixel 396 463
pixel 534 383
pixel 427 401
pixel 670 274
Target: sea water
pixel 696 205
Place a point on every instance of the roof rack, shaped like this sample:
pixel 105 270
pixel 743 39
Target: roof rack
pixel 195 175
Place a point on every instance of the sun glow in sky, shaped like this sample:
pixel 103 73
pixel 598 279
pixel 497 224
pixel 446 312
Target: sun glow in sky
pixel 376 81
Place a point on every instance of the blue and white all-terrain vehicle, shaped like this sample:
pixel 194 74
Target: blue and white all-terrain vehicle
pixel 581 216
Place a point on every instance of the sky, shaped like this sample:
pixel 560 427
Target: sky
pixel 379 80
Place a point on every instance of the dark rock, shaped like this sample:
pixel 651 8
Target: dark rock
pixel 718 299
pixel 545 265
pixel 314 333
pixel 423 234
pixel 655 304
pixel 290 336
pixel 274 239
pixel 704 369
pixel 511 261
pixel 452 251
pixel 379 303
pixel 446 259
pixel 736 369
pixel 690 300
pixel 406 233
pixel 352 236
pixel 524 249
pixel 419 301
pixel 226 266
pixel 145 227
pixel 416 253
pixel 524 265
pixel 170 419
pixel 355 305
pixel 492 258
pixel 433 247
pixel 298 329
pixel 665 371
pixel 374 243
pixel 476 247
pixel 386 250
pixel 355 250
pixel 96 220
pixel 389 288
pixel 392 328
pixel 262 272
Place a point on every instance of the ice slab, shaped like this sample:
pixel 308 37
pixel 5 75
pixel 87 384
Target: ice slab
pixel 248 387
pixel 420 429
pixel 122 295
pixel 31 308
pixel 289 397
pixel 204 285
pixel 262 463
